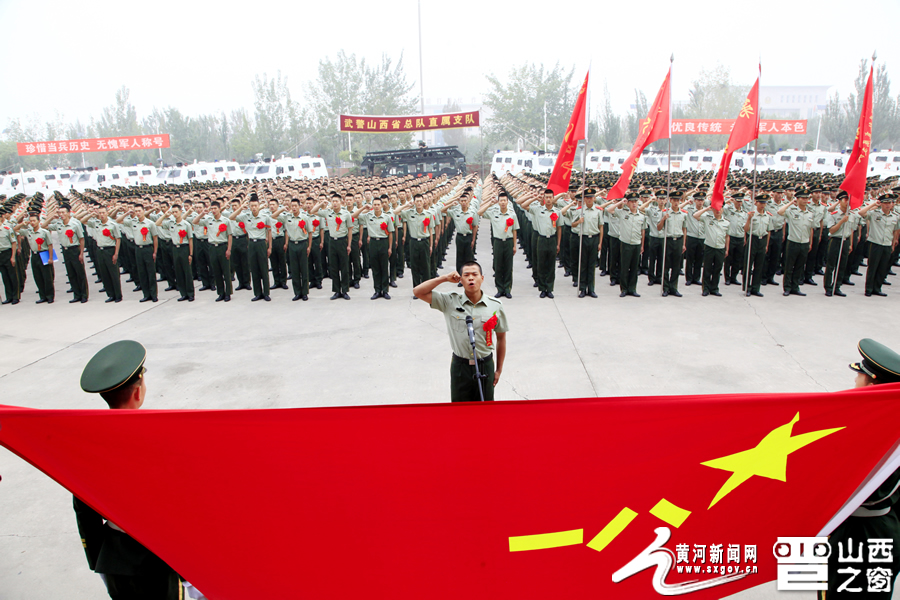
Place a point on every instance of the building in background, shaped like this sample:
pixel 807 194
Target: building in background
pixel 793 101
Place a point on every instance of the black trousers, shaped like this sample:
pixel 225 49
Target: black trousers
pixel 756 262
pixel 604 249
pixel 22 264
pixel 654 252
pixel 812 260
pixel 240 259
pixel 876 269
pixel 146 268
pixel 221 268
pixel 545 262
pixel 734 262
pixel 75 272
pixel 672 263
pixel 503 264
pixel 693 259
pixel 166 261
pixel 10 275
pixel 420 260
pixel 202 262
pixel 161 586
pixel 464 386
pixel 590 246
pixel 614 259
pixel 355 259
pixel 259 267
pixel 630 267
pixel 464 250
pixel 713 259
pixel 380 263
pixel 773 256
pixel 794 265
pixel 316 274
pixel 298 258
pixel 278 260
pixel 108 272
pixel 184 277
pixel 43 277
pixel 339 265
pixel 836 250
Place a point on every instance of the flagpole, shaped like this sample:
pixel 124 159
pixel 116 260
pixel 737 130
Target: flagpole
pixel 668 183
pixel 583 185
pixel 746 278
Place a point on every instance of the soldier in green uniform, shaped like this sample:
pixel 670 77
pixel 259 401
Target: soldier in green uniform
pixel 840 225
pixel 421 232
pixel 278 258
pixel 758 233
pixel 107 238
pixel 352 203
pixel 737 218
pixel 883 230
pixel 816 237
pixel 631 227
pixel 129 570
pixel 674 225
pixel 297 248
pixel 715 247
pixel 181 238
pixel 219 240
pixel 165 259
pixel 548 236
pixel 504 227
pixel 39 243
pixel 694 242
pixel 465 221
pixel 587 226
pixel 338 221
pixel 776 239
pixel 379 226
pixel 8 249
pixel 70 234
pixel 800 223
pixel 316 241
pixel 489 325
pixel 876 518
pixel 240 247
pixel 652 259
pixel 259 234
pixel 146 246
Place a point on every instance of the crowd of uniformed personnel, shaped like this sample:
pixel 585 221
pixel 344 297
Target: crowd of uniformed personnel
pixel 255 236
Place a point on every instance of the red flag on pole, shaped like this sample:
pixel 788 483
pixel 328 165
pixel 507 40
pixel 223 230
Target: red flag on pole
pixel 858 164
pixel 530 499
pixel 656 126
pixel 577 130
pixel 745 130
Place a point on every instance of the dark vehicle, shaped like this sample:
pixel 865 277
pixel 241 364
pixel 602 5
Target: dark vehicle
pixel 421 162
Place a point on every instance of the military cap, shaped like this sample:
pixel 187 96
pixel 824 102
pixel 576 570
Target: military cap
pixel 888 198
pixel 676 194
pixel 590 192
pixel 802 194
pixel 113 366
pixel 762 197
pixel 632 196
pixel 879 362
pixel 738 195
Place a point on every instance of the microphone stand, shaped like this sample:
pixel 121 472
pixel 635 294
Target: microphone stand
pixel 479 376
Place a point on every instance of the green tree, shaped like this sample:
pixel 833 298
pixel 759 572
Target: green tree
pixel 455 137
pixel 713 95
pixel 517 106
pixel 836 125
pixel 609 124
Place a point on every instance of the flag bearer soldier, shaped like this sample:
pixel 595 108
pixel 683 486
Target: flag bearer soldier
pixel 71 238
pixel 219 240
pixel 673 225
pixel 297 248
pixel 800 222
pixel 758 232
pixel 631 227
pixel 181 236
pixel 694 242
pixel 129 570
pixel 840 225
pixel 504 229
pixel 653 209
pixel 548 236
pixel 883 226
pixel 737 218
pixel 715 247
pixel 108 241
pixel 146 243
pixel 380 228
pixel 39 241
pixel 876 519
pixel 8 250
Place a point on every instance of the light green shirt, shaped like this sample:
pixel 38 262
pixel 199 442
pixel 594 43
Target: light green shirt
pixel 542 219
pixel 695 228
pixel 337 230
pixel 759 224
pixel 298 227
pixel 141 239
pixel 593 220
pixel 499 222
pixel 676 222
pixel 631 226
pixel 846 230
pixel 456 306
pixel 7 237
pixel 653 214
pixel 460 219
pixel 800 223
pixel 716 230
pixel 258 226
pixel 214 232
pixel 33 236
pixel 415 221
pixel 881 226
pixel 175 229
pixel 374 224
pixel 63 229
pixel 736 220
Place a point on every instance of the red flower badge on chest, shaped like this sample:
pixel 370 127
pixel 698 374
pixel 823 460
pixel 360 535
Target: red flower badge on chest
pixel 338 221
pixel 509 223
pixel 144 232
pixel 39 242
pixel 469 221
pixel 242 226
pixel 260 225
pixel 106 233
pixel 71 235
pixel 384 226
pixel 553 218
pixel 182 234
pixel 489 327
pixel 315 223
pixel 302 225
pixel 278 225
pixel 222 228
pixel 426 222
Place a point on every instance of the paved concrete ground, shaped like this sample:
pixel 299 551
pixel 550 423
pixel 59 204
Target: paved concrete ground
pixel 328 353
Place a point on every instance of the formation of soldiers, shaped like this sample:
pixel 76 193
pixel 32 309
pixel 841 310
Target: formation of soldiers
pixel 255 236
pixel 793 225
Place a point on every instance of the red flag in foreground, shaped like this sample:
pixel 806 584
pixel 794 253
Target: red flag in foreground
pixel 577 130
pixel 858 163
pixel 533 499
pixel 656 126
pixel 746 129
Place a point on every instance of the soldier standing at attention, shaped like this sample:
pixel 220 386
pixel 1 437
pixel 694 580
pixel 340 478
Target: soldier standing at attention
pixel 587 226
pixel 71 237
pixel 883 231
pixel 547 236
pixel 489 325
pixel 145 241
pixel 259 233
pixel 799 242
pixel 8 249
pixel 840 225
pixel 421 232
pixel 504 228
pixel 674 225
pixel 108 239
pixel 380 228
pixel 39 241
pixel 715 248
pixel 181 237
pixel 219 241
pixel 631 242
pixel 758 233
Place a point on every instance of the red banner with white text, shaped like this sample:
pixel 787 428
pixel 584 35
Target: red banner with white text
pixel 133 142
pixel 587 498
pixel 724 126
pixel 399 124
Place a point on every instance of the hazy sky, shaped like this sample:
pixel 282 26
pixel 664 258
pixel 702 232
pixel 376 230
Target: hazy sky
pixel 70 57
